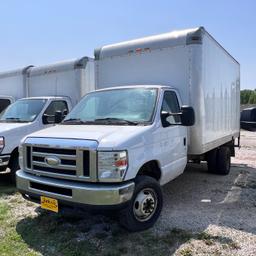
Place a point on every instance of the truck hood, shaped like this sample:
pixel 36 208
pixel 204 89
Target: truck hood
pixel 107 136
pixel 14 132
pixel 6 127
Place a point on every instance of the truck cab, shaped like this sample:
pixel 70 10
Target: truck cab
pixel 165 100
pixel 23 117
pixel 115 148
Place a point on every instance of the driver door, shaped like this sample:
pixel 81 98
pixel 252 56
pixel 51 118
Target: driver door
pixel 174 138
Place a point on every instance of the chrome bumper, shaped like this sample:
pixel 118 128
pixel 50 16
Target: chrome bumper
pixel 4 160
pixel 81 193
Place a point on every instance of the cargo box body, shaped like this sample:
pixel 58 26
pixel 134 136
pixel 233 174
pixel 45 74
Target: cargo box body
pixel 13 83
pixel 72 78
pixel 206 76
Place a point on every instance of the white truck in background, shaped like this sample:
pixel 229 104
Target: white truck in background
pixel 12 86
pixel 51 92
pixel 164 100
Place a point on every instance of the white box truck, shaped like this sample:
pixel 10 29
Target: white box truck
pixel 165 100
pixel 51 91
pixel 12 86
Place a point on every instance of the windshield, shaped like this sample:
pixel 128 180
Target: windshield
pixel 25 110
pixel 120 106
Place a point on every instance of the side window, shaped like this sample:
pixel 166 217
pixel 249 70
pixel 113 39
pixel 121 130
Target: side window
pixel 58 105
pixel 4 103
pixel 171 105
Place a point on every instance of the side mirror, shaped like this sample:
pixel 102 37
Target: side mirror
pixel 45 119
pixel 187 116
pixel 65 112
pixel 58 117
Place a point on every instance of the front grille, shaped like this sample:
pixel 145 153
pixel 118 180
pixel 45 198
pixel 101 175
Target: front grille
pixel 58 161
pixel 54 170
pixel 55 150
pixel 86 163
pixel 29 157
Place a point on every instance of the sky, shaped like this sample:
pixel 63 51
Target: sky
pixel 46 31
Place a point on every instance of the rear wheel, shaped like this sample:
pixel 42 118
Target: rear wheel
pixel 212 160
pixel 223 161
pixel 218 160
pixel 145 206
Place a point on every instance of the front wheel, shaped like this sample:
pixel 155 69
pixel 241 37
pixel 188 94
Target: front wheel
pixel 14 166
pixel 145 206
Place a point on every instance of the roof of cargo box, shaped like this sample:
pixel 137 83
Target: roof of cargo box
pixel 15 72
pixel 174 38
pixel 145 44
pixel 60 66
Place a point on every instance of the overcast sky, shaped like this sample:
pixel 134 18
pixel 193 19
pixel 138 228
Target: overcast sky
pixel 43 31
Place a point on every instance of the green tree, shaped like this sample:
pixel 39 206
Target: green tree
pixel 252 99
pixel 248 96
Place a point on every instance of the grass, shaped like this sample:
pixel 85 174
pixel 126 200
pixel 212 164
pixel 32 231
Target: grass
pixel 59 237
pixel 186 252
pixel 64 234
pixel 11 242
pixel 73 233
pixel 70 234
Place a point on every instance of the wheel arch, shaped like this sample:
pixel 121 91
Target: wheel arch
pixel 151 169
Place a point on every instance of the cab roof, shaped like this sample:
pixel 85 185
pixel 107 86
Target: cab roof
pixel 136 86
pixel 44 97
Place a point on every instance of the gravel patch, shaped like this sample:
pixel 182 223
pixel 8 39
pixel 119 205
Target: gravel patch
pixel 223 206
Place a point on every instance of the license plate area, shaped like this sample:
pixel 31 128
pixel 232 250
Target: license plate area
pixel 50 204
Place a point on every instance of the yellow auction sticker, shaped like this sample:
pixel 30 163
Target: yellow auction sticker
pixel 49 204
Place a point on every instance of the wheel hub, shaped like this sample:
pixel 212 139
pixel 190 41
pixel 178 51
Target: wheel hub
pixel 145 205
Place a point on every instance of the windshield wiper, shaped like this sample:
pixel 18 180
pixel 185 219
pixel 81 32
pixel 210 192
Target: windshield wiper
pixel 116 120
pixel 107 120
pixel 76 121
pixel 71 120
pixel 14 119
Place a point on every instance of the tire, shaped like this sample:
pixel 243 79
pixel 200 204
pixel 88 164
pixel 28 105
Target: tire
pixel 223 161
pixel 212 160
pixel 147 194
pixel 14 166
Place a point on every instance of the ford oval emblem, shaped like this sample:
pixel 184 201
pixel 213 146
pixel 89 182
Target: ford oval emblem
pixel 52 160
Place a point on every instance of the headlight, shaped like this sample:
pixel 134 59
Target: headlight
pixel 112 165
pixel 1 143
pixel 21 163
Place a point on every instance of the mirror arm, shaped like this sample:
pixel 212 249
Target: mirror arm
pixel 175 114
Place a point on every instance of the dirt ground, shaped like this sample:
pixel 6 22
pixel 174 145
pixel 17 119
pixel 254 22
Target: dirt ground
pixel 203 214
pixel 222 206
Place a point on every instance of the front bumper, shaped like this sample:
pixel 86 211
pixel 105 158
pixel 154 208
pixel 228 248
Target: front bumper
pixel 75 192
pixel 4 160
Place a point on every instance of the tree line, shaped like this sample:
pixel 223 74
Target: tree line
pixel 248 96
